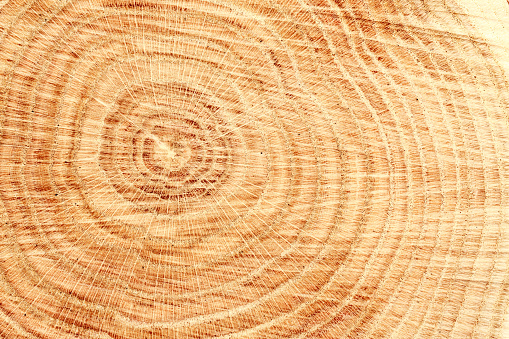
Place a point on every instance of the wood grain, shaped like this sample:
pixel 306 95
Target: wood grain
pixel 239 169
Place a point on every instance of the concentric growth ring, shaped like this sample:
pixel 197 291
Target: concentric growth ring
pixel 238 169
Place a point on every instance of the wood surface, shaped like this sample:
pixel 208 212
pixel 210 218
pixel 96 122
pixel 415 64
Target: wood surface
pixel 254 169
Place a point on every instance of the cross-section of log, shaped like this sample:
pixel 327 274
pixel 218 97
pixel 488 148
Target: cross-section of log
pixel 251 169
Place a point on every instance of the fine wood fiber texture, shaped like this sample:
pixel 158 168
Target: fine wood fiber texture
pixel 252 169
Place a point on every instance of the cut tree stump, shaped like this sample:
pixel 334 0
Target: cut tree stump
pixel 254 169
